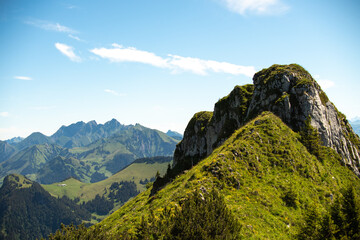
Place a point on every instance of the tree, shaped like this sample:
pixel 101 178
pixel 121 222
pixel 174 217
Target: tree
pixel 311 226
pixel 201 216
pixel 350 209
pixel 310 138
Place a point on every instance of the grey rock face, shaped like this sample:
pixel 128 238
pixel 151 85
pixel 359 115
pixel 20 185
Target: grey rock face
pixel 289 92
pixel 206 130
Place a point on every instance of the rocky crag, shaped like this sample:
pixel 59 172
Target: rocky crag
pixel 288 91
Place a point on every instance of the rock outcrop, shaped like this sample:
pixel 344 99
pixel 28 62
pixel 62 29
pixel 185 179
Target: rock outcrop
pixel 288 91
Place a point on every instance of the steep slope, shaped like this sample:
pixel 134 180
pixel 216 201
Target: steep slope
pixel 29 160
pixel 255 170
pixel 6 151
pixel 34 139
pixel 29 212
pixel 291 93
pixel 60 168
pixel 174 135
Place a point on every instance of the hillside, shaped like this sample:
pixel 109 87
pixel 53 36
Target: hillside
pixel 29 160
pixel 113 191
pixel 6 151
pixel 254 170
pixel 141 171
pixel 29 212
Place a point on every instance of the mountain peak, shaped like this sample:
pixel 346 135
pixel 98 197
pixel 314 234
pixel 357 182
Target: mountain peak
pixel 289 92
pixel 14 140
pixel 92 122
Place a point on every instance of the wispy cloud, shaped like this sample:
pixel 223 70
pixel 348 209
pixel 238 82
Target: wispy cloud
pixel 49 26
pixel 130 54
pixel 23 78
pixel 261 7
pixel 114 92
pixel 68 51
pixel 202 67
pixel 173 62
pixel 76 38
pixel 4 114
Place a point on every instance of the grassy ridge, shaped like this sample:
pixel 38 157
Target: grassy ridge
pixel 266 176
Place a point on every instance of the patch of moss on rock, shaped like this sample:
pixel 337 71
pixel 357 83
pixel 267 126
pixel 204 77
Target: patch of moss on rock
pixel 244 93
pixel 282 98
pixel 199 120
pixel 277 70
pixel 323 97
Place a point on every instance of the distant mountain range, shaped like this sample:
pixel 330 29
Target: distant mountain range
pixel 356 126
pixel 88 151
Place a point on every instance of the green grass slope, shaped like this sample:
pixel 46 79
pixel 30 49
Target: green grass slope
pixel 265 175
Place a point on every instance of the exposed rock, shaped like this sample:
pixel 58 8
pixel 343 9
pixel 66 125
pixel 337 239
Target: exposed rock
pixel 288 91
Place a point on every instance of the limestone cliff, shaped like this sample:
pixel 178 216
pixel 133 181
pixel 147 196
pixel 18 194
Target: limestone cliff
pixel 288 91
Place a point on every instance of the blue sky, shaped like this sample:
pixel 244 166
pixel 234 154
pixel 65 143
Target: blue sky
pixel 158 62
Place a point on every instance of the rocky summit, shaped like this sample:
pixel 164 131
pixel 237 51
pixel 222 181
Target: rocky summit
pixel 288 91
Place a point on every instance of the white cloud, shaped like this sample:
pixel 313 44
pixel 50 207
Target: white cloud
pixel 121 54
pixel 4 114
pixel 202 67
pixel 49 26
pixel 262 7
pixel 325 84
pixel 174 62
pixel 68 51
pixel 23 78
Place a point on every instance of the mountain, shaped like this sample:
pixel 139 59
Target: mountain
pixel 174 135
pixel 275 160
pixel 14 140
pixel 34 139
pixel 29 212
pixel 263 173
pixel 60 168
pixel 81 134
pixel 29 160
pixel 107 156
pixel 356 126
pixel 288 91
pixel 104 156
pixel 6 151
